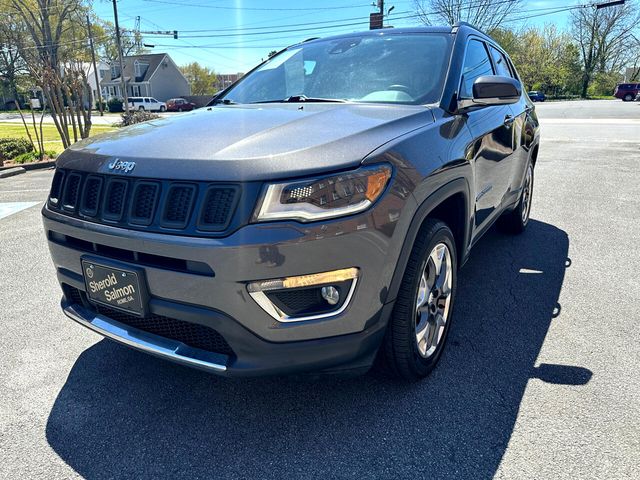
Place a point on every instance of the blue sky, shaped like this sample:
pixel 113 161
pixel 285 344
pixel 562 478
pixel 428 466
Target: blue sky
pixel 256 21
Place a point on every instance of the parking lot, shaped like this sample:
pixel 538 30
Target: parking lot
pixel 540 378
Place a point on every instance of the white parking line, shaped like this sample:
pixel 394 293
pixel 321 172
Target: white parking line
pixel 10 208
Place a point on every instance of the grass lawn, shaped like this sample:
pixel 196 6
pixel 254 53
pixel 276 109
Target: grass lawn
pixel 51 137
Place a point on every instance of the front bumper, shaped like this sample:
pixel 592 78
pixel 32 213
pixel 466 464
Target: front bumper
pixel 217 296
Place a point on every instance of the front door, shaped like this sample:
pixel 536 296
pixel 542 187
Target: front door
pixel 492 149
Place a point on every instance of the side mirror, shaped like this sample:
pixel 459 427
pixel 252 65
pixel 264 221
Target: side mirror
pixel 493 90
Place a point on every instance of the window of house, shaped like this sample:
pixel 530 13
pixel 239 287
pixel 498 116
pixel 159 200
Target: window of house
pixel 115 71
pixel 476 64
pixel 140 68
pixel 136 90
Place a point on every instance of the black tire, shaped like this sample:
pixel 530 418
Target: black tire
pixel 162 108
pixel 399 354
pixel 141 108
pixel 628 97
pixel 516 220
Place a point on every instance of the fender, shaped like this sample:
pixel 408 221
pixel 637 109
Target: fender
pixel 459 185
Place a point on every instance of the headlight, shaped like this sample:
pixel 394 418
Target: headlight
pixel 324 197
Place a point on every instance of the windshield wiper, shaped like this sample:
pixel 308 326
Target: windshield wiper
pixel 304 98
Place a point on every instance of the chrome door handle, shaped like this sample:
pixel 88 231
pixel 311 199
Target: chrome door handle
pixel 509 119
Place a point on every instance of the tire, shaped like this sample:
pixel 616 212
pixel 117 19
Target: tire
pixel 401 353
pixel 180 110
pixel 627 98
pixel 516 220
pixel 141 108
pixel 162 108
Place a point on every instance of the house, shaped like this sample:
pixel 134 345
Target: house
pixel 152 75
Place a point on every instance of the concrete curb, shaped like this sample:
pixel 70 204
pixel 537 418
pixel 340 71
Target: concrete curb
pixel 31 166
pixel 10 172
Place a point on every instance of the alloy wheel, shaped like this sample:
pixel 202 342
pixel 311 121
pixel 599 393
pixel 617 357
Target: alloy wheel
pixel 526 195
pixel 433 300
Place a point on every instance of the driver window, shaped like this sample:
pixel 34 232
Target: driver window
pixel 476 64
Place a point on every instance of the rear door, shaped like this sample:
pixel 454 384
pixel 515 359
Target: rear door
pixel 492 131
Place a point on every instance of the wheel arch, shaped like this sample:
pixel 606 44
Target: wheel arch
pixel 450 204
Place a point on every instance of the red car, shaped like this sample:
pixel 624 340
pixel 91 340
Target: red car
pixel 179 105
pixel 627 91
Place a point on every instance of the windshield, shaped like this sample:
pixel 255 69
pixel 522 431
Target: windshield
pixel 393 68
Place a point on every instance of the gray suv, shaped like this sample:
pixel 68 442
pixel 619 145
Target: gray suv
pixel 313 218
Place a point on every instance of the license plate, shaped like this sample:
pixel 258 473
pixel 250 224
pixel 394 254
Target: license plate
pixel 114 287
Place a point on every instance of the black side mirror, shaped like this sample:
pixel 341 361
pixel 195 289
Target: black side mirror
pixel 492 90
pixel 496 90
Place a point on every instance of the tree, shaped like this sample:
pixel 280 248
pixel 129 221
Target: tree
pixel 271 53
pixel 105 39
pixel 484 14
pixel 203 80
pixel 604 38
pixel 546 58
pixel 53 49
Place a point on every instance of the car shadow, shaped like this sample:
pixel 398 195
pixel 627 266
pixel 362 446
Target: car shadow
pixel 122 413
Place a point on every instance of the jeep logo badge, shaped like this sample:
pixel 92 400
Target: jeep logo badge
pixel 118 164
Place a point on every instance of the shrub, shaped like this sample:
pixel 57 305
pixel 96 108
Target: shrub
pixel 115 105
pixel 104 105
pixel 12 147
pixel 137 116
pixel 31 157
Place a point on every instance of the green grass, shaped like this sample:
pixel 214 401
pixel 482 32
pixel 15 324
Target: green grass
pixel 51 137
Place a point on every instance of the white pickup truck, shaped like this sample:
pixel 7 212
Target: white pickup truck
pixel 146 103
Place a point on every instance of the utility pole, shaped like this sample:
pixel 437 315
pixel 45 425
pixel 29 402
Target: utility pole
pixel 95 68
pixel 122 80
pixel 376 20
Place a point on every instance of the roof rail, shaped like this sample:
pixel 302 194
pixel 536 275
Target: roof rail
pixel 456 26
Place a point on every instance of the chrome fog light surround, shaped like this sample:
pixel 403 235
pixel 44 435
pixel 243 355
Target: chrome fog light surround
pixel 257 291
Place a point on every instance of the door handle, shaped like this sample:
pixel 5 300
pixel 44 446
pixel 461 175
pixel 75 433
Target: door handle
pixel 509 119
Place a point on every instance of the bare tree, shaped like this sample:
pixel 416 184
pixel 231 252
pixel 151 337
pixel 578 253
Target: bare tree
pixel 483 14
pixel 604 37
pixel 53 52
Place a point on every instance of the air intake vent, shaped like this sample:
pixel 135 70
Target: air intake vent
pixel 71 191
pixel 177 207
pixel 199 209
pixel 143 205
pixel 115 200
pixel 217 208
pixel 91 196
pixel 56 188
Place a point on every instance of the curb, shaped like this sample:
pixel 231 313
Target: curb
pixel 10 172
pixel 31 166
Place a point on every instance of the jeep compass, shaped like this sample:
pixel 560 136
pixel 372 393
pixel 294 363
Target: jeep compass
pixel 313 217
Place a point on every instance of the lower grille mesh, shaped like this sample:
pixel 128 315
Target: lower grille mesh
pixel 191 334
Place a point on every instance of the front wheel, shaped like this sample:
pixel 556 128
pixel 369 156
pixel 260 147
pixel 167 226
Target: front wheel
pixel 141 109
pixel 162 108
pixel 628 97
pixel 421 317
pixel 516 221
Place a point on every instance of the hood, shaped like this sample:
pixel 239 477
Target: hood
pixel 249 142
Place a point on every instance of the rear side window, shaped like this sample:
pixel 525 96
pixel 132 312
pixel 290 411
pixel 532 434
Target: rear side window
pixel 500 61
pixel 476 64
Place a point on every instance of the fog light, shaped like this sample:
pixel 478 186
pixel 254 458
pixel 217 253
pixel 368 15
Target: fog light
pixel 330 294
pixel 306 297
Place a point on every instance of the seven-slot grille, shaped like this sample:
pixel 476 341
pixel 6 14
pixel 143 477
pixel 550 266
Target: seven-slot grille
pixel 156 205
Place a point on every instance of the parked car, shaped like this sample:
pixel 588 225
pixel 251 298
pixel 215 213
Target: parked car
pixel 304 222
pixel 536 96
pixel 146 103
pixel 179 105
pixel 627 91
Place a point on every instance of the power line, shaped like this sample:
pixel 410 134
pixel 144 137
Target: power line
pixel 261 9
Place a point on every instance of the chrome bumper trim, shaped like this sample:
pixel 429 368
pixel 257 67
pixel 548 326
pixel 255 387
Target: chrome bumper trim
pixel 146 342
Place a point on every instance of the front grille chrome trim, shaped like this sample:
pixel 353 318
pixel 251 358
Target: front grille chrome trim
pixel 147 342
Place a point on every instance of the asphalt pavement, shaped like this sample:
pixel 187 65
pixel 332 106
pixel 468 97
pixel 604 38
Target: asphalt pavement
pixel 540 378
